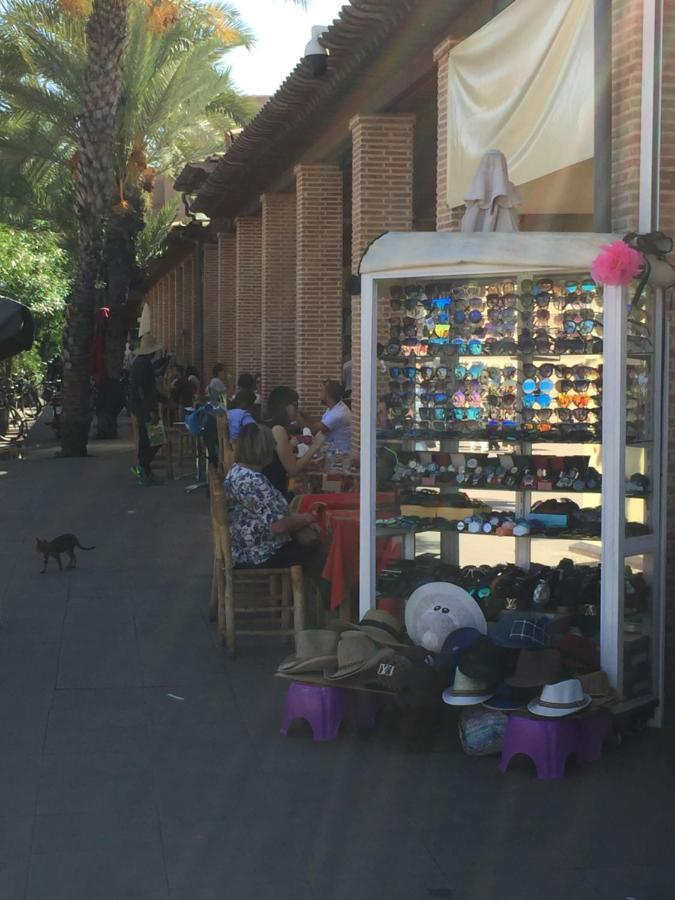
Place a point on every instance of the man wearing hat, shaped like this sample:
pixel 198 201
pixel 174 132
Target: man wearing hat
pixel 144 399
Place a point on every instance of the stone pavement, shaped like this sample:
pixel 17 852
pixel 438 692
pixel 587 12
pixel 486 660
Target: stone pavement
pixel 138 763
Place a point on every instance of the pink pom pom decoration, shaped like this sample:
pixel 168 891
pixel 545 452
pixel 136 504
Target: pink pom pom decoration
pixel 617 263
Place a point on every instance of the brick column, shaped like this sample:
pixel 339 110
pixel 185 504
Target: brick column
pixel 447 218
pixel 382 200
pixel 667 224
pixel 278 290
pixel 210 312
pixel 188 288
pixel 626 106
pixel 319 280
pixel 179 348
pixel 172 311
pixel 227 287
pixel 248 294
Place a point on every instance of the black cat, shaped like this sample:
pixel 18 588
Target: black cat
pixel 64 543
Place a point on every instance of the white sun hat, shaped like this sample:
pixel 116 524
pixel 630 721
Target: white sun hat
pixel 463 608
pixel 561 699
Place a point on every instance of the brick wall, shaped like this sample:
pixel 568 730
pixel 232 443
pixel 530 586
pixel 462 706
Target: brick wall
pixel 248 294
pixel 227 286
pixel 626 90
pixel 382 200
pixel 447 219
pixel 172 311
pixel 319 280
pixel 278 290
pixel 210 310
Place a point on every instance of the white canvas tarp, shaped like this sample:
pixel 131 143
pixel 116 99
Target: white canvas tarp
pixel 522 83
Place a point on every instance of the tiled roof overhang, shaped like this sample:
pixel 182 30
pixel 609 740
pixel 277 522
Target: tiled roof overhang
pixel 269 144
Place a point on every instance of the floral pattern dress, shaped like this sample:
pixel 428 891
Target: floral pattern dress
pixel 257 506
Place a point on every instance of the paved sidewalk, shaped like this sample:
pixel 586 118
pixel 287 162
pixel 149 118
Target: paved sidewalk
pixel 138 763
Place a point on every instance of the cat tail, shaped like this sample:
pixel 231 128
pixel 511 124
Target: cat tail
pixel 84 548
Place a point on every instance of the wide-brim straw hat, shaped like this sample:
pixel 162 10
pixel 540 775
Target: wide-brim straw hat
pixel 562 699
pixel 466 612
pixel 466 691
pixel 148 345
pixel 315 650
pixel 357 653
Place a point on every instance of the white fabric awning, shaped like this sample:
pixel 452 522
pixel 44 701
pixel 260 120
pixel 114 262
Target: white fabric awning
pixel 458 253
pixel 523 83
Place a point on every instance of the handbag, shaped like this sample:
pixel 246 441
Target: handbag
pixel 156 434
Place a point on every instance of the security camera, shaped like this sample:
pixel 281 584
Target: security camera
pixel 316 55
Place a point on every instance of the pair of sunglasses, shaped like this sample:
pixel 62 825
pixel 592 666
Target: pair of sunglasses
pixel 585 326
pixel 580 415
pixel 541 415
pixel 472 414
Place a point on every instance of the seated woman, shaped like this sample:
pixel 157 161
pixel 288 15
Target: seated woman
pixel 282 410
pixel 261 525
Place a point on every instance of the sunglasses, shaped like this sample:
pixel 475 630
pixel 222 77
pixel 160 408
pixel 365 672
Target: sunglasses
pixel 542 415
pixel 403 372
pixel 586 326
pixel 543 371
pixel 472 414
pixel 580 415
pixel 565 385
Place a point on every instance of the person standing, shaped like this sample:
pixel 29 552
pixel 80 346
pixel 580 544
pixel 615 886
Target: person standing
pixel 336 422
pixel 217 388
pixel 144 402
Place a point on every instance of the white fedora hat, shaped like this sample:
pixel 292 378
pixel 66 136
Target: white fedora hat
pixel 466 691
pixel 561 699
pixel 465 611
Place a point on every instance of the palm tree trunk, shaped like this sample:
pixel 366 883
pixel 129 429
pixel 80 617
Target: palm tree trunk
pixel 106 36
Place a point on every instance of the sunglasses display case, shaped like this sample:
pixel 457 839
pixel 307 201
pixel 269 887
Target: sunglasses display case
pixel 513 409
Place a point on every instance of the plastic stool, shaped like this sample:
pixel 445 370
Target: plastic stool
pixel 366 708
pixel 325 708
pixel 594 729
pixel 548 743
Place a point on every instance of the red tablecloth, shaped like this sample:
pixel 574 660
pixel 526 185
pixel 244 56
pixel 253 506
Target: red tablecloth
pixel 342 564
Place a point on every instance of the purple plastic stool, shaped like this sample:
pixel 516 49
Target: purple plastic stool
pixel 594 729
pixel 365 709
pixel 325 708
pixel 548 743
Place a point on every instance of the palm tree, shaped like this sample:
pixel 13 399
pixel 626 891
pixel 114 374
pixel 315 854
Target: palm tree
pixel 106 36
pixel 174 98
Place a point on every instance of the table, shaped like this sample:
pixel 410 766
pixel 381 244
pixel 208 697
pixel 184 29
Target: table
pixel 341 569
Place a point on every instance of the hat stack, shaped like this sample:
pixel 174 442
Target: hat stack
pixel 479 669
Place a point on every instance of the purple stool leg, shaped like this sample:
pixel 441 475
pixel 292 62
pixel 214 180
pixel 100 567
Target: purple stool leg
pixel 366 708
pixel 548 742
pixel 325 708
pixel 594 729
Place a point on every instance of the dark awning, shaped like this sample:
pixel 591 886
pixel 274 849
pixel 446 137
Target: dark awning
pixel 16 328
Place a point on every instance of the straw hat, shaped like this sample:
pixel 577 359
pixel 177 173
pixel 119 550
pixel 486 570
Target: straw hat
pixel 466 691
pixel 561 699
pixel 148 345
pixel 597 685
pixel 382 627
pixel 315 650
pixel 357 653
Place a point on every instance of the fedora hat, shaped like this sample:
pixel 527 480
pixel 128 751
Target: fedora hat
pixel 148 345
pixel 597 686
pixel 561 699
pixel 507 698
pixel 466 691
pixel 357 653
pixel 482 661
pixel 521 630
pixel 315 650
pixel 382 627
pixel 536 668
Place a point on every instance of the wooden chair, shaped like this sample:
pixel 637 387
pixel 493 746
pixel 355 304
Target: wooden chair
pixel 284 603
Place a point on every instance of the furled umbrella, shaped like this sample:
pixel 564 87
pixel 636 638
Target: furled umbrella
pixel 17 329
pixel 492 199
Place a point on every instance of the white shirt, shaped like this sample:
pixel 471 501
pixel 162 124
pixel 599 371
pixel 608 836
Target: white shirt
pixel 338 421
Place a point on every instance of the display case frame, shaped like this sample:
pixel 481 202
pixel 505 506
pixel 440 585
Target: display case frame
pixel 456 255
